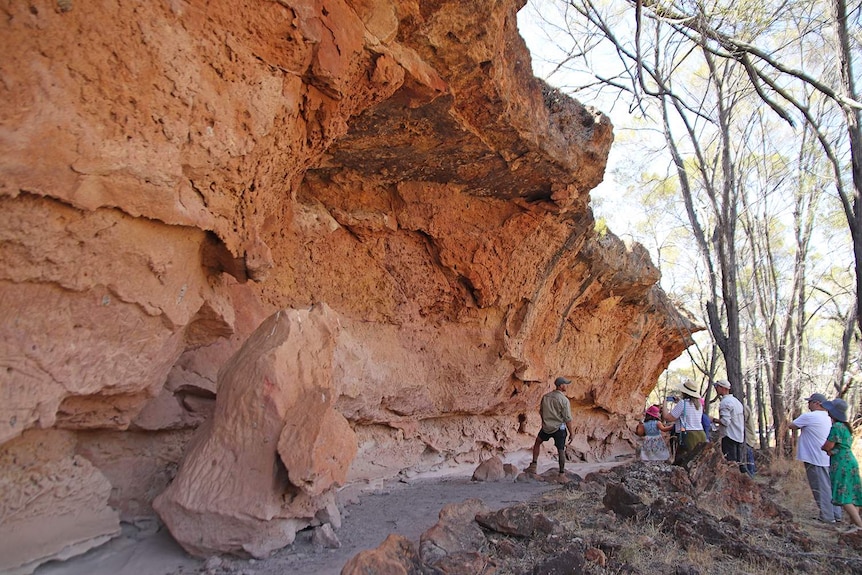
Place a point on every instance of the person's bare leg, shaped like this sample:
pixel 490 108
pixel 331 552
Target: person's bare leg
pixel 852 511
pixel 537 447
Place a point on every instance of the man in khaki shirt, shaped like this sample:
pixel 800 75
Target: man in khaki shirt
pixel 556 413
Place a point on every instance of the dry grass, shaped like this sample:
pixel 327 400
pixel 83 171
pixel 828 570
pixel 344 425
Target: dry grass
pixel 787 478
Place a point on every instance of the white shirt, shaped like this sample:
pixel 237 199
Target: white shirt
pixel 690 420
pixel 730 415
pixel 814 429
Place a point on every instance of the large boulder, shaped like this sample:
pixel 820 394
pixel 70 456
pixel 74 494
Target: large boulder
pixel 268 460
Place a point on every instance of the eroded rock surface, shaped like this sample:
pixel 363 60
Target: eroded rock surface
pixel 175 173
pixel 55 503
pixel 263 466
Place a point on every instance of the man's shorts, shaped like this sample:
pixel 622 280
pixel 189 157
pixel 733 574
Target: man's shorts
pixel 559 437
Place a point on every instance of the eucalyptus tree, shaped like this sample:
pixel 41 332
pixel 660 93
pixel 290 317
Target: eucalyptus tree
pixel 780 81
pixel 695 96
pixel 786 49
pixel 778 267
pixel 691 64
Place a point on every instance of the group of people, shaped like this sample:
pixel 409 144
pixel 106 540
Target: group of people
pixel 689 426
pixel 824 446
pixel 686 421
pixel 825 441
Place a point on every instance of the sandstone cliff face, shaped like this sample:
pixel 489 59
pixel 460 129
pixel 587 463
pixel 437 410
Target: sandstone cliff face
pixel 174 173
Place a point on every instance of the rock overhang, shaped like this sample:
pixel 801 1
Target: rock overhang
pixel 396 161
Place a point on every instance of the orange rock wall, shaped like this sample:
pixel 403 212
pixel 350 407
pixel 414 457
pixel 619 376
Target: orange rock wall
pixel 175 172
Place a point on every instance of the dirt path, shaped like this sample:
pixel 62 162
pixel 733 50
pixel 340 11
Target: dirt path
pixel 406 508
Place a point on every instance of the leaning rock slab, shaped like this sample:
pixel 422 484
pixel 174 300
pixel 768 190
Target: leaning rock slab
pixel 250 479
pixel 53 503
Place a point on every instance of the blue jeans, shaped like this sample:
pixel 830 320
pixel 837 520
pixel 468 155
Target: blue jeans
pixel 749 460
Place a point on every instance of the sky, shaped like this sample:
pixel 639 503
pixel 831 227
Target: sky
pixel 609 201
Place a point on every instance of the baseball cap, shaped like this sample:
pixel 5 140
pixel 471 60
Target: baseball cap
pixel 722 383
pixel 562 381
pixel 816 398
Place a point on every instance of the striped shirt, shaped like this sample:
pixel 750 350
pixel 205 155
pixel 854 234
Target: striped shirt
pixel 690 420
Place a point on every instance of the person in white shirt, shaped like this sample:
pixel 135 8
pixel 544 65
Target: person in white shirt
pixel 688 412
pixel 813 429
pixel 731 423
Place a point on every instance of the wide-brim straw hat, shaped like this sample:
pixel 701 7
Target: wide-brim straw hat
pixel 689 387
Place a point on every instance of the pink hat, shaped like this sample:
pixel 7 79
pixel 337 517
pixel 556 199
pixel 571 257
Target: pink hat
pixel 654 411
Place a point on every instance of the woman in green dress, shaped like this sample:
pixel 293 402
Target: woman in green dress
pixel 843 467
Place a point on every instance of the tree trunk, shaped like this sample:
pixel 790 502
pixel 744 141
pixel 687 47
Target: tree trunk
pixel 761 411
pixel 850 325
pixel 845 66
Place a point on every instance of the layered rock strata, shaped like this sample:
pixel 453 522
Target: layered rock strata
pixel 175 173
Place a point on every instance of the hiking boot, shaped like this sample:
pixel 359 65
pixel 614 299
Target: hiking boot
pixel 531 468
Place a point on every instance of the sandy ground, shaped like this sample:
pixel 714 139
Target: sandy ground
pixel 369 514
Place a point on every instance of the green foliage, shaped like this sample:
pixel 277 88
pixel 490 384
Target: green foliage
pixel 601 227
